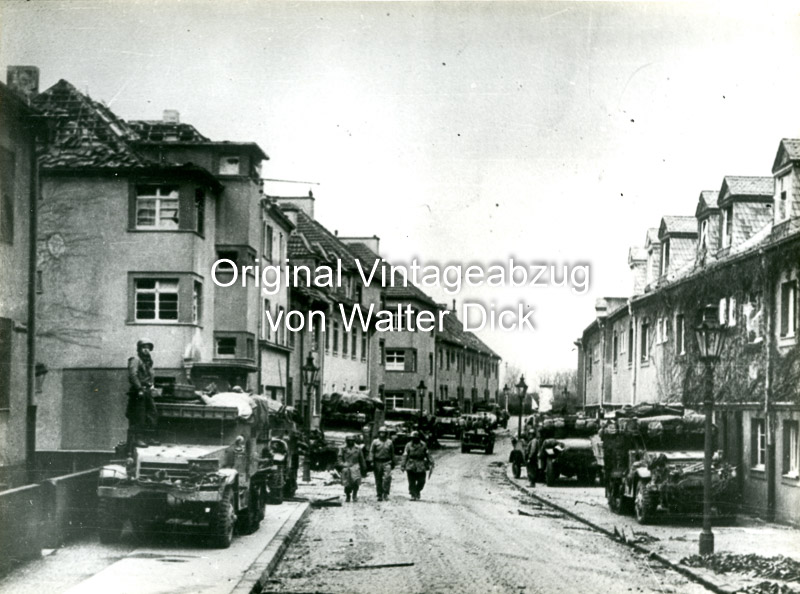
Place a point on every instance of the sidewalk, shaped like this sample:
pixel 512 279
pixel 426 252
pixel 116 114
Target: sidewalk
pixel 672 542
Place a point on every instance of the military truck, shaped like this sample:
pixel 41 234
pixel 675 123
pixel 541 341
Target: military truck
pixel 566 447
pixel 476 434
pixel 212 469
pixel 654 462
pixel 447 421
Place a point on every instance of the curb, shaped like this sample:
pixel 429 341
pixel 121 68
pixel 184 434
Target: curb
pixel 685 571
pixel 262 568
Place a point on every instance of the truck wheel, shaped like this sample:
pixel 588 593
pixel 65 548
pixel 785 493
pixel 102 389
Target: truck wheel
pixel 223 521
pixel 614 496
pixel 490 449
pixel 109 521
pixel 642 506
pixel 550 473
pixel 250 518
pixel 464 449
pixel 289 488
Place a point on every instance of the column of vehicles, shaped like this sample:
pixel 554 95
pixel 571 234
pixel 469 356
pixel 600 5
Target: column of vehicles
pixel 220 459
pixel 650 459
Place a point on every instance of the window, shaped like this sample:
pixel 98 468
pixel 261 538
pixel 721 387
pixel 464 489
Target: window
pixel 327 337
pixel 382 351
pixel 783 198
pixel 336 338
pixel 788 321
pixel 156 207
pixel 156 300
pixel 395 360
pixel 363 346
pixel 589 362
pixel 226 346
pixel 680 335
pixel 727 311
pixel 727 226
pixel 596 353
pixel 665 257
pixel 430 363
pixel 791 449
pixel 266 331
pixel 447 360
pixel 251 348
pixel 344 343
pixel 752 316
pixel 644 345
pixel 197 302
pixel 7 193
pixel 354 346
pixel 615 349
pixel 704 234
pixel 394 400
pixel 630 342
pixel 758 443
pixel 229 165
pixel 6 339
pixel 623 341
pixel 281 337
pixel 200 211
pixel 267 249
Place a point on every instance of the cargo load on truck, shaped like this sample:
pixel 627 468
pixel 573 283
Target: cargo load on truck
pixel 654 462
pixel 565 448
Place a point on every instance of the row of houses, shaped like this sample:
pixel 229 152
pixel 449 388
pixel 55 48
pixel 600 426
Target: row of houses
pixel 110 231
pixel 740 252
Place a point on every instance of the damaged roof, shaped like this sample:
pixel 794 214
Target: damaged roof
pixel 311 240
pixel 85 133
pixel 159 131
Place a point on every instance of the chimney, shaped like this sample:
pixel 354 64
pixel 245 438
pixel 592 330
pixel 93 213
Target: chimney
pixel 373 243
pixel 24 80
pixel 637 262
pixel 171 116
pixel 454 305
pixel 601 308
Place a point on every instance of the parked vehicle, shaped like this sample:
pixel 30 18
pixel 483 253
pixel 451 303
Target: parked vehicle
pixel 477 438
pixel 654 465
pixel 447 421
pixel 213 468
pixel 500 415
pixel 566 447
pixel 402 421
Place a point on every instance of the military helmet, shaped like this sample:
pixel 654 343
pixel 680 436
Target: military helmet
pixel 142 342
pixel 383 429
pixel 414 434
pixel 350 438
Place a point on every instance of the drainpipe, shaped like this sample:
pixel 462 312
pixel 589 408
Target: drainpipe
pixel 768 413
pixel 30 416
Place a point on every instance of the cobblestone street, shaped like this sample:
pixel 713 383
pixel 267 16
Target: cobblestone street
pixel 466 535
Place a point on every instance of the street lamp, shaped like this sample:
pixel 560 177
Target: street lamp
pixel 522 387
pixel 421 388
pixel 310 372
pixel 710 340
pixel 505 396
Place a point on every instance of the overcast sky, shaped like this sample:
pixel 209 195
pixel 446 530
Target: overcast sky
pixel 456 132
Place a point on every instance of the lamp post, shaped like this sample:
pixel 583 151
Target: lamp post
pixel 710 339
pixel 522 387
pixel 421 388
pixel 310 372
pixel 505 396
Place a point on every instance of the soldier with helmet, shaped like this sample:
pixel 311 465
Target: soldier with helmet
pixel 381 456
pixel 352 466
pixel 416 463
pixel 141 410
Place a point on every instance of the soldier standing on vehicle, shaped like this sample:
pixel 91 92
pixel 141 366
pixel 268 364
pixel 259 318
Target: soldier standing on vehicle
pixel 352 466
pixel 532 458
pixel 141 409
pixel 381 455
pixel 415 463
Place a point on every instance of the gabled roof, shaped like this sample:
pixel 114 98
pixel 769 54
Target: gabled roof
pixel 453 332
pixel 758 187
pixel 788 152
pixel 651 238
pixel 682 225
pixel 636 254
pixel 159 131
pixel 706 203
pixel 311 240
pixel 85 133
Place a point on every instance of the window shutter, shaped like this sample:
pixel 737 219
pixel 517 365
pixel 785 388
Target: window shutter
pixel 6 337
pixel 785 292
pixel 8 192
pixel 410 360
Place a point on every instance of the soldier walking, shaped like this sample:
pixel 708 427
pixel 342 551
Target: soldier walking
pixel 352 466
pixel 381 455
pixel 416 462
pixel 532 458
pixel 141 410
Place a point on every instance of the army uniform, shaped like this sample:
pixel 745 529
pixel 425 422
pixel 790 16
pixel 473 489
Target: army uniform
pixel 352 467
pixel 141 410
pixel 381 455
pixel 415 463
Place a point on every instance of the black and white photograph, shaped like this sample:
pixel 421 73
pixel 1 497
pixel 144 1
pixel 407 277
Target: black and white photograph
pixel 399 297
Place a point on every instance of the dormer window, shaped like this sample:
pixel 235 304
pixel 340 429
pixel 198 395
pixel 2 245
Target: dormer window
pixel 229 165
pixel 783 198
pixel 704 234
pixel 665 257
pixel 727 226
